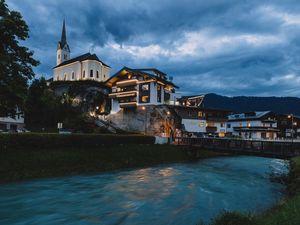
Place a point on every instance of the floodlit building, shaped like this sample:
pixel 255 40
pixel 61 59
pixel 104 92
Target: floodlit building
pixel 253 125
pixel 84 67
pixel 131 88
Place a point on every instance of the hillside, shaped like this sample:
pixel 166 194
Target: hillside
pixel 283 105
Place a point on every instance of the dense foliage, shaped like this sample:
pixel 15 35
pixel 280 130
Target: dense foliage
pixel 15 61
pixel 44 109
pixel 40 140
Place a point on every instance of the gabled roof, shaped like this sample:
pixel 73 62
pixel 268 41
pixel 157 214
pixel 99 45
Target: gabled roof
pixel 248 116
pixel 146 72
pixel 87 56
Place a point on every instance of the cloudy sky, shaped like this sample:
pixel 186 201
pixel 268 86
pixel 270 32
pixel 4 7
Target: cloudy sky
pixel 249 47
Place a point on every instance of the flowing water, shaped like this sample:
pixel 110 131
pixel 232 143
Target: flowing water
pixel 183 194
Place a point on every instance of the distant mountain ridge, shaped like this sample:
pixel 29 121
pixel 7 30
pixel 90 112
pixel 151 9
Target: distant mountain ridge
pixel 238 104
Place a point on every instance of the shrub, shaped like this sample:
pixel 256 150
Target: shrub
pixel 232 218
pixel 39 140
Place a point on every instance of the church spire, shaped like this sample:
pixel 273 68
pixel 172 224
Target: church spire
pixel 63 39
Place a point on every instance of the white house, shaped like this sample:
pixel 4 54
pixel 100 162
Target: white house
pixel 12 123
pixel 131 88
pixel 84 67
pixel 253 125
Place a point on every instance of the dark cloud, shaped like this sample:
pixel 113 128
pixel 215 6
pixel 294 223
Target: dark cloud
pixel 228 47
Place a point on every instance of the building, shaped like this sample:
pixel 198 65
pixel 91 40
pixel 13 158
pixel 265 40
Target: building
pixel 289 125
pixel 201 121
pixel 253 125
pixel 132 88
pixel 84 67
pixel 12 123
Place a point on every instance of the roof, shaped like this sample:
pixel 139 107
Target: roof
pixel 249 115
pixel 87 56
pixel 146 72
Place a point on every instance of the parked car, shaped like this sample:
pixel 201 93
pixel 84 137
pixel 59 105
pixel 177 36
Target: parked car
pixel 23 130
pixel 64 131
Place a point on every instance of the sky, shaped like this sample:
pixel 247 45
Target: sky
pixel 249 47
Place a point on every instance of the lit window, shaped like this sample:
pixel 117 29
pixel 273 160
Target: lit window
pixel 145 87
pixel 248 124
pixel 91 73
pixel 145 98
pixel 97 74
pixel 200 114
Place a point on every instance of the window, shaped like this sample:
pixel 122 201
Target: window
pixel 104 76
pixel 248 124
pixel 58 56
pixel 65 56
pixel 65 76
pixel 73 75
pixel 200 114
pixel 228 125
pixel 241 124
pixel 145 99
pixel 83 74
pixel 222 125
pixel 91 73
pixel 97 74
pixel 145 87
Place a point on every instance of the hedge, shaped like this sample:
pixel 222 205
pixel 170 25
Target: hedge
pixel 37 140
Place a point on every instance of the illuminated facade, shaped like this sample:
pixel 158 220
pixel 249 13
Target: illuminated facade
pixel 131 88
pixel 253 125
pixel 84 67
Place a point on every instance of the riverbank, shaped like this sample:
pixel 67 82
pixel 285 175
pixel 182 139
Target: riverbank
pixel 286 212
pixel 29 163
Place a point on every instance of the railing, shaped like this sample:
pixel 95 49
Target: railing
pixel 276 148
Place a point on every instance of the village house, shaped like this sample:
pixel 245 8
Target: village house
pixel 11 123
pixel 253 125
pixel 131 88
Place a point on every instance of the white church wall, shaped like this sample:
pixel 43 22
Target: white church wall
pixel 67 71
pixel 105 73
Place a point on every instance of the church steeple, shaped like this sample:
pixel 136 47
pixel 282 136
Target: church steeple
pixel 63 50
pixel 63 39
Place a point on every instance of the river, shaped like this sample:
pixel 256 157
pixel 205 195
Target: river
pixel 182 193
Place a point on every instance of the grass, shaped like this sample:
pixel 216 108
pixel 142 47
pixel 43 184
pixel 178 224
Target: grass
pixel 287 212
pixel 20 164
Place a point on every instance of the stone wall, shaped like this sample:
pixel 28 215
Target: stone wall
pixel 152 120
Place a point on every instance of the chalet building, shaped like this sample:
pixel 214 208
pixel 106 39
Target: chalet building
pixel 192 101
pixel 12 123
pixel 199 121
pixel 253 125
pixel 132 88
pixel 84 67
pixel 289 125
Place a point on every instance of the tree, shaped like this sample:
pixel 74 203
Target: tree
pixel 16 61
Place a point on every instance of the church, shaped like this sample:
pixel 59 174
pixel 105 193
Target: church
pixel 84 67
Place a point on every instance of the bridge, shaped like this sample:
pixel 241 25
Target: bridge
pixel 268 148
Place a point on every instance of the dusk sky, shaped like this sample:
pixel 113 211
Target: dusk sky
pixel 225 47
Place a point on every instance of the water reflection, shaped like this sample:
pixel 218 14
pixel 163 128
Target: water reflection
pixel 172 194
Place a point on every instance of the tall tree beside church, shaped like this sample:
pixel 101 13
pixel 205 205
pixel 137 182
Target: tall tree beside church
pixel 16 61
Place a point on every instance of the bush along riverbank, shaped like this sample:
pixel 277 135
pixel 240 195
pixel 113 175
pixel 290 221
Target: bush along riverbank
pixel 286 212
pixel 36 156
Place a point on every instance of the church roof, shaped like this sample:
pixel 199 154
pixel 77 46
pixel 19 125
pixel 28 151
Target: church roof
pixel 151 72
pixel 87 56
